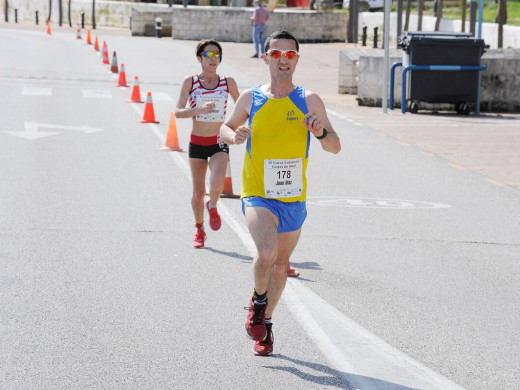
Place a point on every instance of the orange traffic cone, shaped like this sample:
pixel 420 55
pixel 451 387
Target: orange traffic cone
pixel 149 116
pixel 104 53
pixel 78 34
pixel 113 66
pixel 291 271
pixel 49 27
pixel 172 141
pixel 89 41
pixel 122 77
pixel 96 44
pixel 136 93
pixel 227 192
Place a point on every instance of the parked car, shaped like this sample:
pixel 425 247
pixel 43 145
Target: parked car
pixel 368 4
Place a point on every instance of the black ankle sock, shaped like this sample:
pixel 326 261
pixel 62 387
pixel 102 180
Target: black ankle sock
pixel 259 297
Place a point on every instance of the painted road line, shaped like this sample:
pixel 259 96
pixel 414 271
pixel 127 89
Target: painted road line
pixel 338 115
pixel 97 93
pixel 32 130
pixel 162 97
pixel 364 360
pixel 36 91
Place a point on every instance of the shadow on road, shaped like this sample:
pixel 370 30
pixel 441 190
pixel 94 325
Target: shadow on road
pixel 328 376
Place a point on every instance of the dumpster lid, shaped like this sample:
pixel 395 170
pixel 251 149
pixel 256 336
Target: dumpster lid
pixel 436 37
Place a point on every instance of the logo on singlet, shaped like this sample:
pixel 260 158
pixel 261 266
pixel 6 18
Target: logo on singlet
pixel 291 117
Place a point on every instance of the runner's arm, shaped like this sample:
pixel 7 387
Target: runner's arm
pixel 233 88
pixel 232 132
pixel 317 121
pixel 181 111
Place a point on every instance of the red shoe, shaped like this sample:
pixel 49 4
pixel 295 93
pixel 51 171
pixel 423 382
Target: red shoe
pixel 291 272
pixel 255 323
pixel 265 347
pixel 214 219
pixel 200 237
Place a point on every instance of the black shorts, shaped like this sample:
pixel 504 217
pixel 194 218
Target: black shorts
pixel 205 147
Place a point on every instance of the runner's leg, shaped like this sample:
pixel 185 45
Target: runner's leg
pixel 198 169
pixel 286 244
pixel 263 226
pixel 217 167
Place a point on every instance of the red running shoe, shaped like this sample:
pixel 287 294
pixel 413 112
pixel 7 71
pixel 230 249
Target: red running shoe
pixel 291 272
pixel 265 347
pixel 255 323
pixel 200 237
pixel 214 219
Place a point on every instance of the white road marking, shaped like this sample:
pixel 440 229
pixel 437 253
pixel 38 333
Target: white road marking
pixel 36 91
pixel 162 97
pixel 97 93
pixel 395 204
pixel 31 130
pixel 366 361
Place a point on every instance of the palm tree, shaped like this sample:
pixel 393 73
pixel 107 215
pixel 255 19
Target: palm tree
pixel 70 20
pixel 60 12
pixel 464 7
pixel 502 15
pixel 93 14
pixel 420 16
pixel 439 14
pixel 407 18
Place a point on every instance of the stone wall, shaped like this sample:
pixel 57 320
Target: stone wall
pixel 500 82
pixel 233 24
pixel 142 21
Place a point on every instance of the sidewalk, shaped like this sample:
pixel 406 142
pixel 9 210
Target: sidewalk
pixel 488 144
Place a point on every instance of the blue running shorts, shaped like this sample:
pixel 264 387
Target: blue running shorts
pixel 290 215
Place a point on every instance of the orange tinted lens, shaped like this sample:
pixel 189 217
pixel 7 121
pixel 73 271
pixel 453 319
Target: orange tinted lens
pixel 291 54
pixel 275 53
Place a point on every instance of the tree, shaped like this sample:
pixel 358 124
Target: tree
pixel 50 11
pixel 93 14
pixel 464 7
pixel 60 12
pixel 69 12
pixel 439 14
pixel 502 15
pixel 407 17
pixel 6 6
pixel 421 9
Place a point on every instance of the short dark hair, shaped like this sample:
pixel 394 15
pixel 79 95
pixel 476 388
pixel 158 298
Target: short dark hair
pixel 282 34
pixel 202 45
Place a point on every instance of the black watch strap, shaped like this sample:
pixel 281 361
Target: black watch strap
pixel 323 135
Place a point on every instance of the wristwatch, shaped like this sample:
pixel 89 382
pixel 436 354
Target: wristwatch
pixel 323 135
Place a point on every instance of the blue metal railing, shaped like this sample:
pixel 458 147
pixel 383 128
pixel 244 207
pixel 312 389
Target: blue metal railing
pixel 406 69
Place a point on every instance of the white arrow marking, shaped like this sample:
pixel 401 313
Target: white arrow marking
pixel 31 130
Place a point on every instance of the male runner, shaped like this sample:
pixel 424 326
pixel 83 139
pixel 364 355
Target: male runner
pixel 281 119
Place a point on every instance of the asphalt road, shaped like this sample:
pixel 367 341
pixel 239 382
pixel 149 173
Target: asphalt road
pixel 410 268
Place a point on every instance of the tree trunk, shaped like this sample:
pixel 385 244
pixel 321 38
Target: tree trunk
pixel 60 12
pixel 439 14
pixel 93 14
pixel 421 9
pixel 464 8
pixel 407 18
pixel 69 12
pixel 6 10
pixel 50 11
pixel 399 17
pixel 501 20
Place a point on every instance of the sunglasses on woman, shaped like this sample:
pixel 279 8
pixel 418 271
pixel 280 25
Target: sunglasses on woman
pixel 211 54
pixel 289 54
